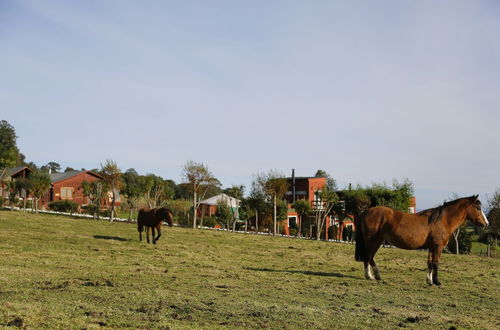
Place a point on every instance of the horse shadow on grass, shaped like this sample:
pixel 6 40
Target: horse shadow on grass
pixel 304 272
pixel 113 238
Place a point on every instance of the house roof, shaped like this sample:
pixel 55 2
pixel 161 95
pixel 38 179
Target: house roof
pixel 56 177
pixel 222 198
pixel 17 169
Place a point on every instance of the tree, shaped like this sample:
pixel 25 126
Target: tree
pixel 237 192
pixel 25 187
pixel 9 152
pixel 69 169
pixel 257 201
pixel 131 189
pixel 200 178
pixel 112 176
pixel 93 191
pixel 493 230
pixel 456 233
pixel 324 201
pixel 40 183
pixel 330 181
pixel 275 186
pixel 52 166
pixel 224 214
pixel 303 209
pixel 155 190
pixel 361 198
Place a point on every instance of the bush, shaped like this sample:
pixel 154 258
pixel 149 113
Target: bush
pixel 89 209
pixel 185 221
pixel 208 221
pixel 2 202
pixel 64 206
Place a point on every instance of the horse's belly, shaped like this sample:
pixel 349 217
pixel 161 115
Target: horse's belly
pixel 408 242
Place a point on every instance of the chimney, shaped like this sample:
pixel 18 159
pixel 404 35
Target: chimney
pixel 50 170
pixel 293 185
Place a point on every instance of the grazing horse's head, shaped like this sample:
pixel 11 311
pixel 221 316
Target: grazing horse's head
pixel 475 213
pixel 167 215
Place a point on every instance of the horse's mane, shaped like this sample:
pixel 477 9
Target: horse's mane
pixel 436 213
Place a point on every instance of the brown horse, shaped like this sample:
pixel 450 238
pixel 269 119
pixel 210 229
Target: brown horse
pixel 429 229
pixel 152 218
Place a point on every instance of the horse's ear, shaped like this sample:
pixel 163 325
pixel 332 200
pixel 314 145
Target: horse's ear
pixel 473 198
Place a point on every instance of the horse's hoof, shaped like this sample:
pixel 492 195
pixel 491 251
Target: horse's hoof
pixel 437 282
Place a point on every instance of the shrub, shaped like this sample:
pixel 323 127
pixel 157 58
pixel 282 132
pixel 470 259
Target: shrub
pixel 185 221
pixel 2 202
pixel 64 206
pixel 208 221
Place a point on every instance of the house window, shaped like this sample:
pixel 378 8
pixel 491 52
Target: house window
pixel 292 222
pixel 66 193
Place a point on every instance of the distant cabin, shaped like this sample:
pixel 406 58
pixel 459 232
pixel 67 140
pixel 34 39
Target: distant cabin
pixel 68 186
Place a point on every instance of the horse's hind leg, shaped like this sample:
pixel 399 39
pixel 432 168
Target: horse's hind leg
pixel 429 268
pixel 153 234
pixel 372 250
pixel 147 234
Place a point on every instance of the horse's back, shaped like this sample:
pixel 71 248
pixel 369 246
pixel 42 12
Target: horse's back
pixel 404 230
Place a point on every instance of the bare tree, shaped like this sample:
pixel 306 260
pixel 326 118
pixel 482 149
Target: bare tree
pixel 200 178
pixel 111 174
pixel 275 186
pixel 323 204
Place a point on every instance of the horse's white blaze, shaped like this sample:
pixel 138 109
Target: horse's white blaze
pixel 485 219
pixel 429 276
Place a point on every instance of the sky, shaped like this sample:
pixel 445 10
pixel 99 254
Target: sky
pixel 369 91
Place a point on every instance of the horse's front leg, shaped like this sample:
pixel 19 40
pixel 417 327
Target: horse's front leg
pixel 153 234
pixel 158 229
pixel 147 234
pixel 429 268
pixel 436 255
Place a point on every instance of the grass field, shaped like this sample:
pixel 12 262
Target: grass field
pixel 58 272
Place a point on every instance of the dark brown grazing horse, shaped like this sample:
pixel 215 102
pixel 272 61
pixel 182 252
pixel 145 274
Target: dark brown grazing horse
pixel 152 218
pixel 430 229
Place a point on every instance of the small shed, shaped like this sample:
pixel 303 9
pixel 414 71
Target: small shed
pixel 68 186
pixel 209 205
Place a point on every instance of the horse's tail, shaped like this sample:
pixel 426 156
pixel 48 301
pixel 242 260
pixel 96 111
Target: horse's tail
pixel 140 225
pixel 359 254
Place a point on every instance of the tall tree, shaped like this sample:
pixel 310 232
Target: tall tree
pixel 9 153
pixel 324 202
pixel 40 184
pixel 200 178
pixel 112 176
pixel 257 200
pixel 303 209
pixel 25 187
pixel 94 192
pixel 131 189
pixel 53 167
pixel 275 186
pixel 330 181
pixel 235 191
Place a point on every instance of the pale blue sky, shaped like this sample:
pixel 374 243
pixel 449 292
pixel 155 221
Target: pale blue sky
pixel 366 90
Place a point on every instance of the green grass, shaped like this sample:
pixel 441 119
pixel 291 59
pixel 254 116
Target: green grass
pixel 58 272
